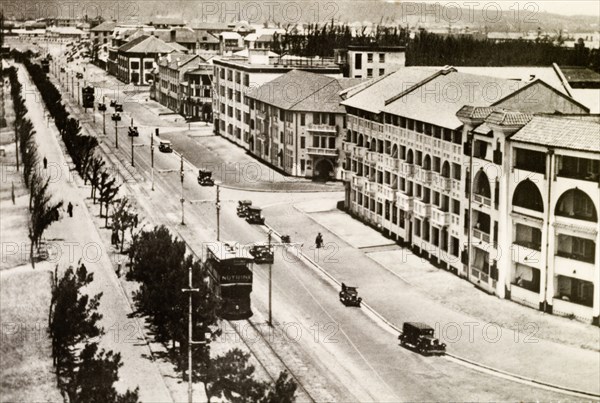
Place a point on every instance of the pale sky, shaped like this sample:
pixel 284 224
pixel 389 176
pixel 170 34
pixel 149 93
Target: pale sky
pixel 565 7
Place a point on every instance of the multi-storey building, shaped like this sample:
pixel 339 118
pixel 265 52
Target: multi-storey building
pixel 411 156
pixel 101 33
pixel 235 76
pixel 184 83
pixel 545 172
pixel 370 61
pixel 137 58
pixel 296 123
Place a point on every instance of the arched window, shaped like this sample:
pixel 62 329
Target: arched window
pixel 481 185
pixel 576 204
pixel 373 145
pixel 427 162
pixel 527 195
pixel 360 140
pixel 446 169
pixel 410 157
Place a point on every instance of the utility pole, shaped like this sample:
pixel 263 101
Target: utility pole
pixel 103 116
pixel 72 85
pixel 182 199
pixel 190 290
pixel 152 157
pixel 78 100
pixel 218 205
pixel 116 135
pixel 269 236
pixel 132 162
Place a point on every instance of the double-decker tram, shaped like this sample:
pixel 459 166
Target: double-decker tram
pixel 230 267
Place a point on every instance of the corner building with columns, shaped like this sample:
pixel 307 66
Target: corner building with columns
pixel 435 159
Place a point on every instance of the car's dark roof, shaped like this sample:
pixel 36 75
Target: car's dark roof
pixel 418 325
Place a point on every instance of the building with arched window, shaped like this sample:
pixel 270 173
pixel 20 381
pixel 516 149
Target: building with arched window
pixel 461 178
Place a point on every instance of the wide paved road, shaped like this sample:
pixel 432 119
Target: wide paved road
pixel 339 353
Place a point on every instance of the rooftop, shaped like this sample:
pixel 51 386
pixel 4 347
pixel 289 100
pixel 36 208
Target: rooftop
pixel 561 132
pixel 150 44
pixel 105 26
pixel 175 60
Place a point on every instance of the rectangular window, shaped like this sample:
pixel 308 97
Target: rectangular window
pixel 369 57
pixel 369 73
pixel 381 72
pixel 302 119
pixel 302 142
pixel 358 61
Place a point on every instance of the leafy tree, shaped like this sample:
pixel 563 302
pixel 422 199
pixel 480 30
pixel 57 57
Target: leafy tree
pixel 283 391
pixel 94 381
pixel 74 318
pixel 108 190
pixel 160 265
pixel 123 217
pixel 42 214
pixel 93 174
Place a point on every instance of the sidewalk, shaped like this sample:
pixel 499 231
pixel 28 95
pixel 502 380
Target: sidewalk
pixel 404 288
pixel 78 239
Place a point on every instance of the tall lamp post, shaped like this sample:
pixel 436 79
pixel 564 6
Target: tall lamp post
pixel 152 157
pixel 182 199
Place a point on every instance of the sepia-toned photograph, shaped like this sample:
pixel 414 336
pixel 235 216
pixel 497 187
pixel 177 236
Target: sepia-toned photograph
pixel 264 201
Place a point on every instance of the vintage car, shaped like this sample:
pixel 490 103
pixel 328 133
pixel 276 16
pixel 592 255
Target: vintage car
pixel 242 207
pixel 118 107
pixel 133 132
pixel 112 103
pixel 349 296
pixel 165 146
pixel 205 178
pixel 254 215
pixel 262 253
pixel 419 337
pixel 116 117
pixel 78 75
pixel 62 69
pixel 286 239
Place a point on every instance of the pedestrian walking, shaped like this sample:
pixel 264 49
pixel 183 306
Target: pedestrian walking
pixel 70 209
pixel 45 163
pixel 319 240
pixel 135 221
pixel 119 263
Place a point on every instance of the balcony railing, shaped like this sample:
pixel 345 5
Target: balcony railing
pixel 323 128
pixel 426 176
pixel 359 181
pixel 444 183
pixel 391 163
pixel 347 175
pixel 360 152
pixel 388 193
pixel 482 236
pixel 405 202
pixel 408 169
pixel 486 201
pixel 330 152
pixel 440 218
pixel 422 209
pixel 347 147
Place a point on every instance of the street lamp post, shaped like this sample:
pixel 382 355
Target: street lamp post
pixel 152 157
pixel 116 135
pixel 103 115
pixel 190 290
pixel 218 206
pixel 78 100
pixel 182 199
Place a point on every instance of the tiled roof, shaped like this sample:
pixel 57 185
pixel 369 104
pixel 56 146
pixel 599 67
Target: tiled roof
pixel 181 58
pixel 206 37
pixel 105 26
pixel 372 97
pixel 438 100
pixel 265 38
pixel 301 91
pixel 482 129
pixel 150 44
pixel 561 132
pixel 474 112
pixel 212 26
pixel 508 118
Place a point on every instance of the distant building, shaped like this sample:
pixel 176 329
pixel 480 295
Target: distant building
pixel 137 58
pixel 184 83
pixel 102 33
pixel 214 28
pixel 235 76
pixel 297 123
pixel 370 61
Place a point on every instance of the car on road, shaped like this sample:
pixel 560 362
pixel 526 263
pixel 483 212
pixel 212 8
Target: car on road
pixel 205 178
pixel 420 337
pixel 262 252
pixel 118 107
pixel 62 69
pixel 349 296
pixel 79 75
pixel 254 215
pixel 242 207
pixel 133 132
pixel 165 146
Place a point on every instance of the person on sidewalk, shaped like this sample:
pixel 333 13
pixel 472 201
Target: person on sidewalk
pixel 319 240
pixel 45 163
pixel 70 209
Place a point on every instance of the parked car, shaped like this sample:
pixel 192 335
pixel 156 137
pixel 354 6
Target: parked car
pixel 133 132
pixel 118 107
pixel 205 178
pixel 242 207
pixel 116 117
pixel 254 215
pixel 165 146
pixel 420 337
pixel 262 253
pixel 62 69
pixel 349 296
pixel 79 75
